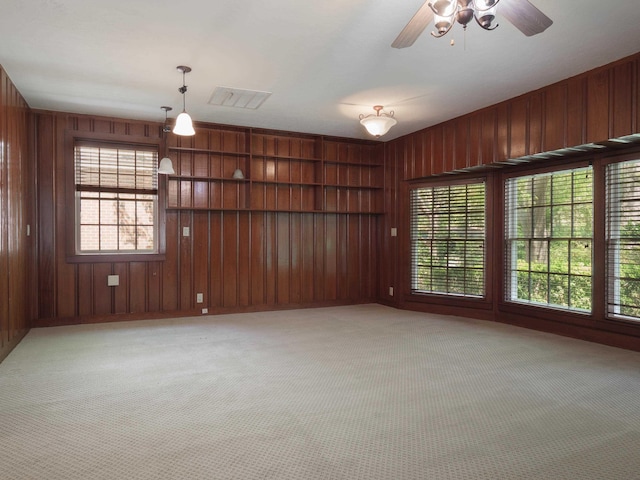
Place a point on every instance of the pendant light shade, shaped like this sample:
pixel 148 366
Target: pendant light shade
pixel 166 167
pixel 184 125
pixel 379 123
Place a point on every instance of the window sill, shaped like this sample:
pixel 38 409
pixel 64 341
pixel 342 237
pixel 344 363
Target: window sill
pixel 116 257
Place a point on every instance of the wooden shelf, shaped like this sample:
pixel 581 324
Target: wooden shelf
pixel 287 182
pixel 286 158
pixel 275 210
pixel 205 150
pixel 355 187
pixel 352 164
pixel 207 179
pixel 284 174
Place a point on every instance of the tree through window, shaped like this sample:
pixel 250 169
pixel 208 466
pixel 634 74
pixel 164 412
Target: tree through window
pixel 549 236
pixel 448 239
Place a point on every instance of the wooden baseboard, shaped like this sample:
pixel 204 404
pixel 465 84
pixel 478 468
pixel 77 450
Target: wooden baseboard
pixel 130 317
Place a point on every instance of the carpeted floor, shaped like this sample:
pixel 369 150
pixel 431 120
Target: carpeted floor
pixel 357 392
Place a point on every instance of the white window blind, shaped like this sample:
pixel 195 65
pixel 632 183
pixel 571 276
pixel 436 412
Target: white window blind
pixel 448 239
pixel 549 237
pixel 623 239
pixel 116 199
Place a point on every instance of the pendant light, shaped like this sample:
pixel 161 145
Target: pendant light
pixel 184 125
pixel 166 166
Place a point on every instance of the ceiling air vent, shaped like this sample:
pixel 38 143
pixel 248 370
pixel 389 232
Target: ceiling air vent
pixel 238 97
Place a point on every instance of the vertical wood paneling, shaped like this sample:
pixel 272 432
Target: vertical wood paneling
pixel 576 117
pixel 186 295
pixel 15 214
pixel 138 287
pixel 258 258
pixel 216 266
pixel 102 294
pixel 534 124
pixel 475 140
pixel 437 150
pixel 502 133
pixel 622 93
pixel 461 145
pixel 283 235
pixel 598 106
pixel 489 135
pixel 244 259
pixel 517 125
pixel 230 259
pixel 201 256
pixel 121 293
pixel 555 117
pixel 45 151
pixel 170 266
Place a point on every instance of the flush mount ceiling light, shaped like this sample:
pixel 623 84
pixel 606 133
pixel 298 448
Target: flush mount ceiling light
pixel 184 125
pixel 379 123
pixel 166 166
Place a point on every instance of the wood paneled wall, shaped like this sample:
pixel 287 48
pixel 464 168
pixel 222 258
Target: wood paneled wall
pixel 590 108
pixel 15 246
pixel 253 244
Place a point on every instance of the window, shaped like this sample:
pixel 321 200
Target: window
pixel 448 239
pixel 623 239
pixel 549 233
pixel 116 199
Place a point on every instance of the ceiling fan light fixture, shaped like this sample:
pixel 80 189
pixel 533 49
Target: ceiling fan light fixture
pixel 379 123
pixel 444 8
pixel 184 125
pixel 486 17
pixel 485 4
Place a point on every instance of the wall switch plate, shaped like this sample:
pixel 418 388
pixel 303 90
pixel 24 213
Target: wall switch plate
pixel 185 231
pixel 394 232
pixel 205 311
pixel 391 291
pixel 28 230
pixel 199 298
pixel 113 280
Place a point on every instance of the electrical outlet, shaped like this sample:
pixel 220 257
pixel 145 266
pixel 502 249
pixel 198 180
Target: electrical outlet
pixel 394 232
pixel 185 231
pixel 199 298
pixel 205 311
pixel 391 291
pixel 113 280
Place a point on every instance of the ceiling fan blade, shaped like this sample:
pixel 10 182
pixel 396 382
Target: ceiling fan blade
pixel 415 27
pixel 524 16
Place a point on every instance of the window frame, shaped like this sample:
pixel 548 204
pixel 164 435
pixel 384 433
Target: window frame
pixel 608 315
pixel 110 140
pixel 480 303
pixel 505 275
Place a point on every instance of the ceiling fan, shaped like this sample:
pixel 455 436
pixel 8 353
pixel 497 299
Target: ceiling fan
pixel 521 13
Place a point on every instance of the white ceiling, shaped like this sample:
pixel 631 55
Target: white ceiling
pixel 325 62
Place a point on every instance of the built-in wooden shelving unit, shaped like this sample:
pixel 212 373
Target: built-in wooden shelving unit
pixel 282 173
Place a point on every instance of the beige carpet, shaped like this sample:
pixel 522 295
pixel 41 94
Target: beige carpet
pixel 357 392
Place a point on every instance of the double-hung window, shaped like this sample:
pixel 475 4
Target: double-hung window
pixel 623 239
pixel 448 239
pixel 116 199
pixel 549 237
